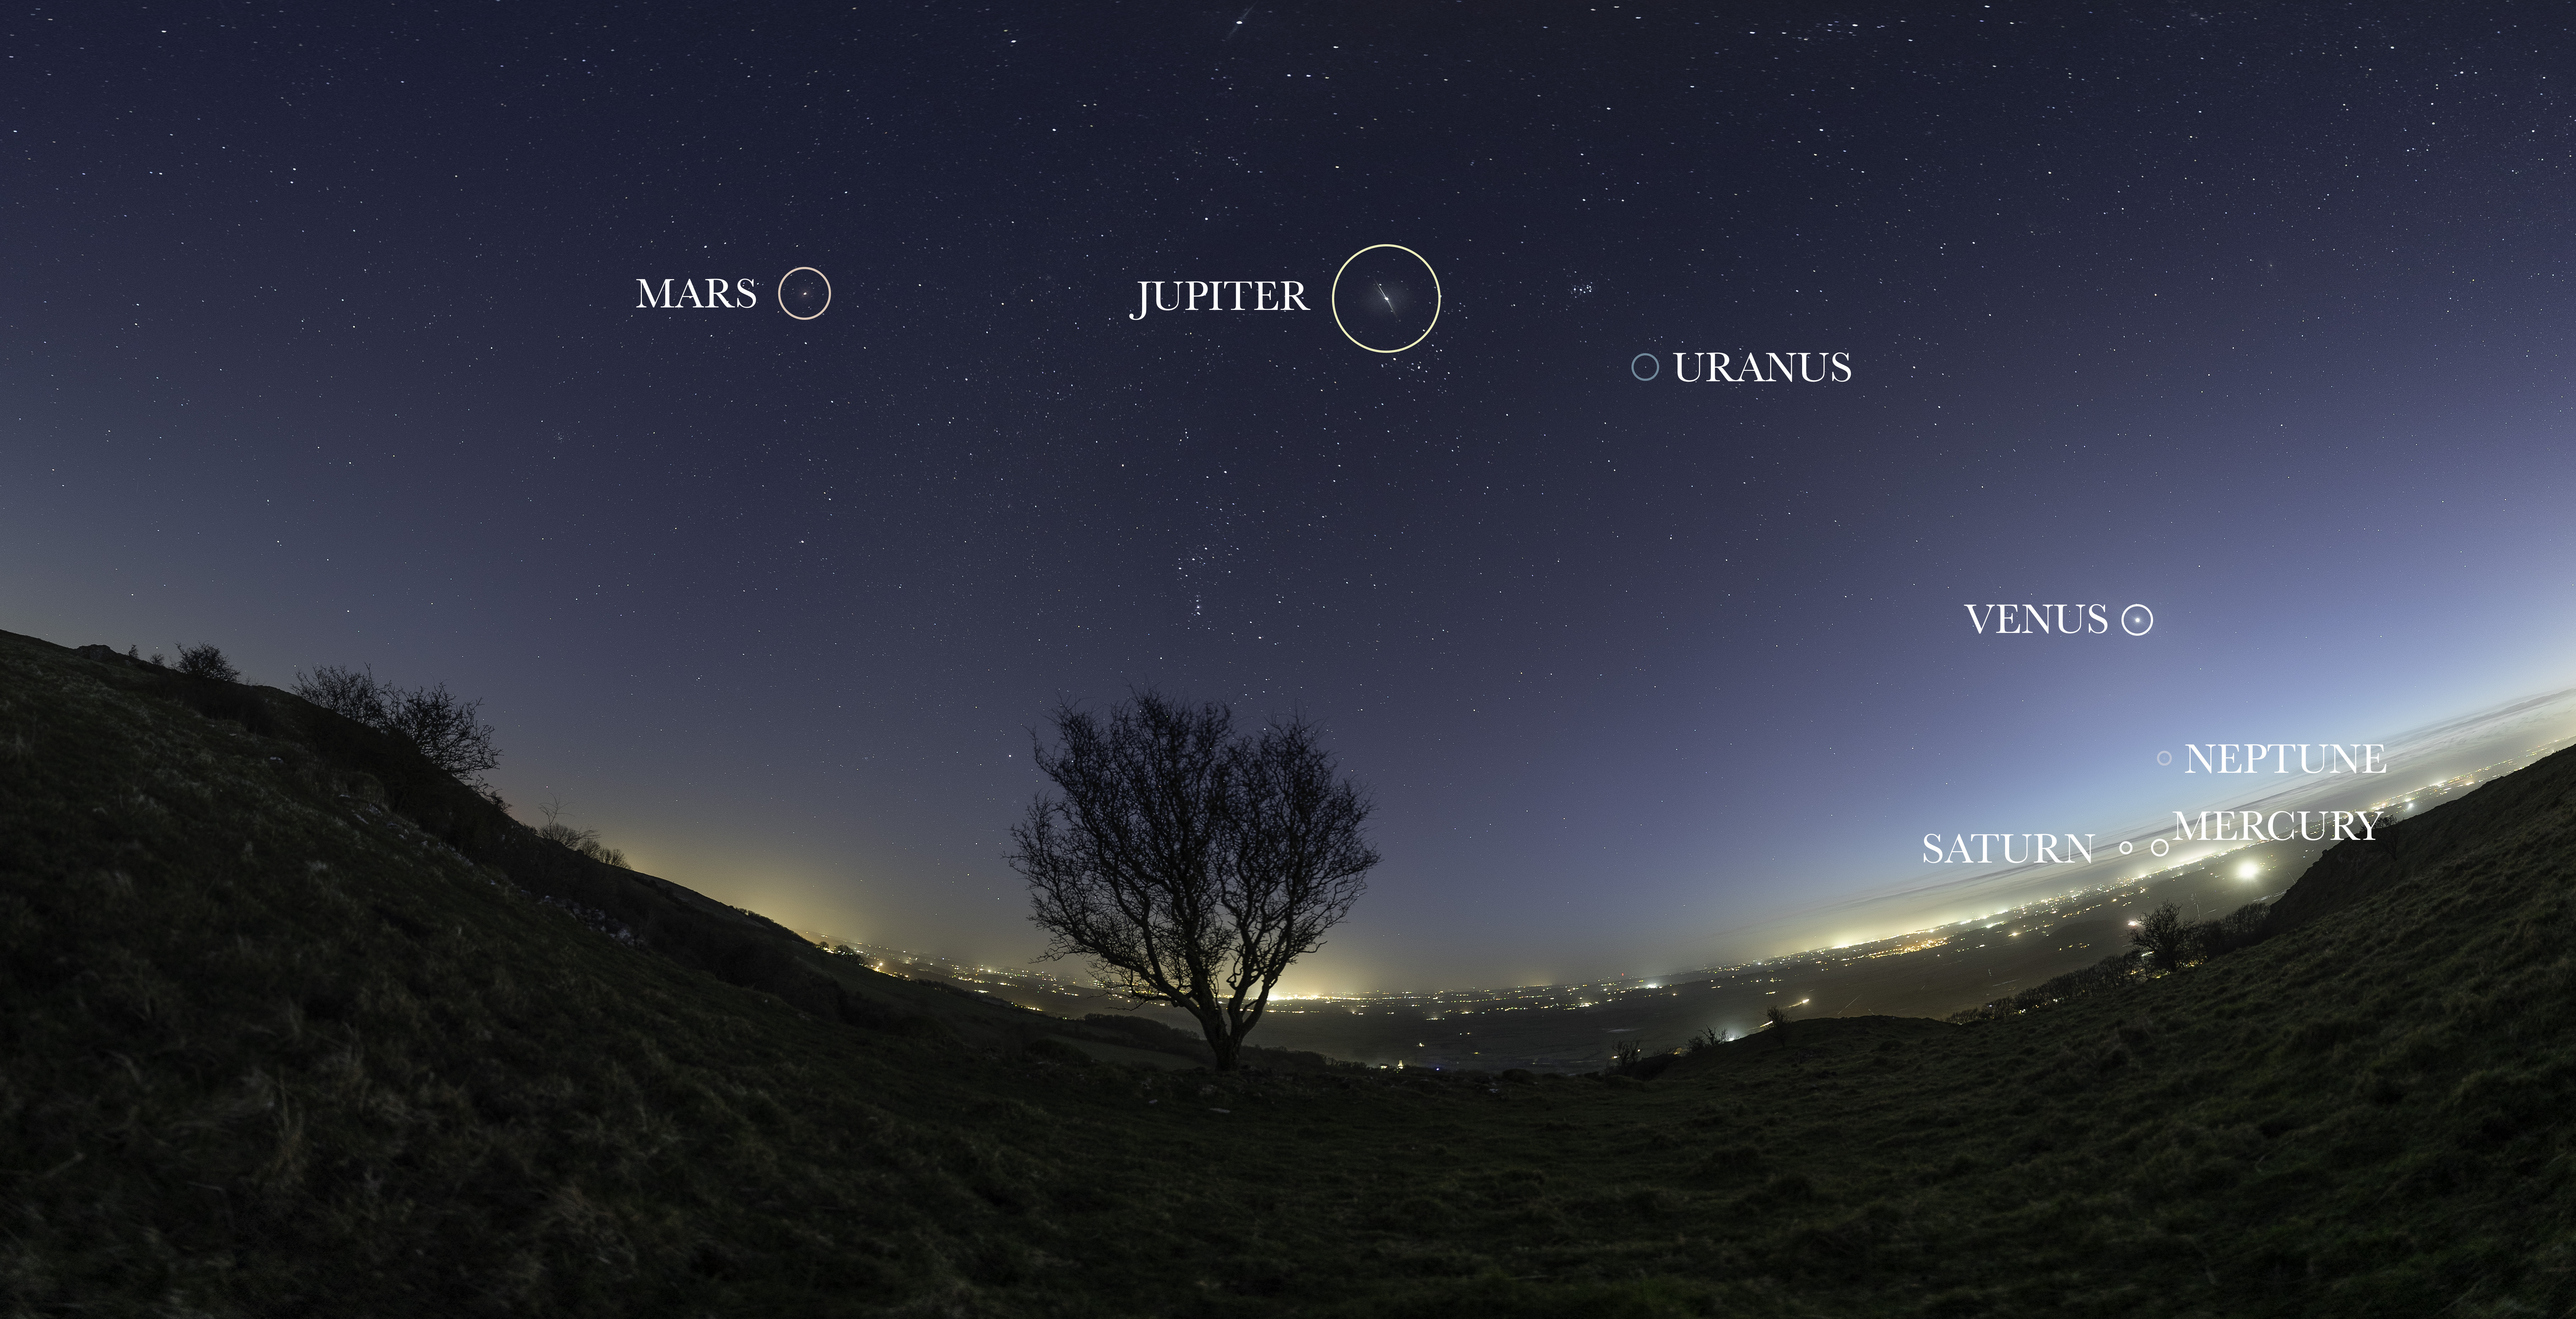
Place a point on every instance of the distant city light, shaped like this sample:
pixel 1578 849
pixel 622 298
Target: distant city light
pixel 2248 870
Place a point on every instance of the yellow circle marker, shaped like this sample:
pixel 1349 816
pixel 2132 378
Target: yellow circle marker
pixel 827 292
pixel 1335 296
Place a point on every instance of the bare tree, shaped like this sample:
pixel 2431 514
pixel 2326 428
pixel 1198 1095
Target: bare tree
pixel 445 729
pixel 205 661
pixel 349 692
pixel 2163 935
pixel 584 841
pixel 439 725
pixel 1191 865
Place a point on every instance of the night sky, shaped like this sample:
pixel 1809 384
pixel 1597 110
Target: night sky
pixel 321 342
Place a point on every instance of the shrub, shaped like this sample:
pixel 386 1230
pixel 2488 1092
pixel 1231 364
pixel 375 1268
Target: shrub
pixel 2185 943
pixel 444 729
pixel 345 692
pixel 2240 928
pixel 584 841
pixel 1631 1060
pixel 2166 937
pixel 204 661
pixel 434 721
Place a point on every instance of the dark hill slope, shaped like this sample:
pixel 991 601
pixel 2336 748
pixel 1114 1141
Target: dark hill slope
pixel 317 753
pixel 270 1046
pixel 2352 872
pixel 271 1051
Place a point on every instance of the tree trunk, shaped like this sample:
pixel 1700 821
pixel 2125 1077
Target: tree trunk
pixel 1222 1041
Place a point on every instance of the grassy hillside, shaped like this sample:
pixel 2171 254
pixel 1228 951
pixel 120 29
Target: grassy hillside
pixel 281 1039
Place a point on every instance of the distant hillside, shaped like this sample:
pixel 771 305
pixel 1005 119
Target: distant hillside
pixel 2512 806
pixel 290 1029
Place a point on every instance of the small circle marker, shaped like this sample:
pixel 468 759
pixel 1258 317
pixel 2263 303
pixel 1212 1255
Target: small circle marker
pixel 827 292
pixel 2133 613
pixel 2164 757
pixel 1650 360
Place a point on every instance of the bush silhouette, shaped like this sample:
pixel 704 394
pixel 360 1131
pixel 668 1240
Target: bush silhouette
pixel 204 661
pixel 2241 928
pixel 2192 943
pixel 347 692
pixel 2166 937
pixel 433 720
pixel 584 841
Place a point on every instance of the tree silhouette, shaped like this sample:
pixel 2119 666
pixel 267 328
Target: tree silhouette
pixel 2164 936
pixel 441 726
pixel 205 661
pixel 1191 864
